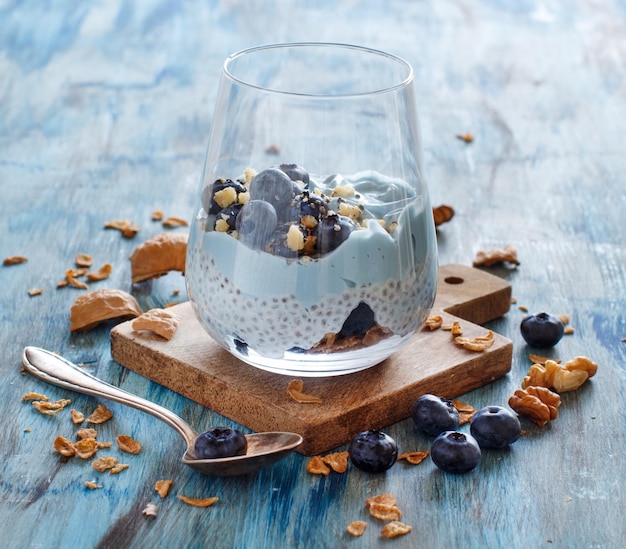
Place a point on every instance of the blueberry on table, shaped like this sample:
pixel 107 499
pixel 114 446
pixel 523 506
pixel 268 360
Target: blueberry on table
pixel 434 415
pixel 256 223
pixel 295 173
pixel 495 427
pixel 220 442
pixel 220 194
pixel 542 330
pixel 332 231
pixel 359 321
pixel 274 187
pixel 455 452
pixel 373 451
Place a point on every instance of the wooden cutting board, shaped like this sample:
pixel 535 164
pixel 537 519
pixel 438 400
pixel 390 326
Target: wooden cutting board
pixel 192 364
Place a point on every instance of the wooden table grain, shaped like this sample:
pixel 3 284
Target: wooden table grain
pixel 105 109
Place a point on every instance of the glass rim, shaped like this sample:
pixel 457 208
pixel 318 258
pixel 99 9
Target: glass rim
pixel 337 45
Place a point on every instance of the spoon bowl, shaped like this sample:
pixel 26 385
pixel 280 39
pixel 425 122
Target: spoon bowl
pixel 263 449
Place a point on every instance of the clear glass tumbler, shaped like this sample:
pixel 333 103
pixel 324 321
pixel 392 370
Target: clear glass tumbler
pixel 313 249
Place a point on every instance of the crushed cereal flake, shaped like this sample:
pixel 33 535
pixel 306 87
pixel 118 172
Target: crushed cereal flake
pixel 384 511
pixel 86 433
pixel 34 396
pixel 395 529
pixel 356 528
pixel 414 458
pixel 317 466
pixel 433 322
pixel 477 344
pixel 100 415
pixel 64 446
pixel 493 256
pixel 83 260
pixel 128 444
pixel 50 408
pixel 196 502
pixel 466 411
pixel 338 461
pixel 105 463
pixel 86 448
pixel 35 291
pixel 118 468
pixel 101 274
pixel 14 260
pixel 77 417
pixel 92 484
pixel 294 390
pixel 150 510
pixel 162 487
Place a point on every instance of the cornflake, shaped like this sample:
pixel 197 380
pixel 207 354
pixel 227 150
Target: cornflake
pixel 477 344
pixel 50 408
pixel 356 528
pixel 100 415
pixel 83 260
pixel 92 485
pixel 86 433
pixel 172 222
pixel 118 468
pixel 316 466
pixel 395 529
pixel 294 390
pixel 487 258
pixel 466 137
pixel 64 446
pixel 34 396
pixel 466 411
pixel 414 458
pixel 384 511
pixel 196 502
pixel 162 487
pixel 433 322
pixel 86 448
pixel 77 417
pixel 128 444
pixel 338 461
pixel 128 228
pixel 101 274
pixel 105 463
pixel 35 291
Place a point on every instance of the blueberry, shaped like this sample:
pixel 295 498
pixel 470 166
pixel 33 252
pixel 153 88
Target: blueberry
pixel 228 214
pixel 220 442
pixel 295 173
pixel 274 187
pixel 373 451
pixel 542 330
pixel 277 244
pixel 208 195
pixel 495 427
pixel 310 204
pixel 455 452
pixel 359 321
pixel 434 415
pixel 256 223
pixel 332 231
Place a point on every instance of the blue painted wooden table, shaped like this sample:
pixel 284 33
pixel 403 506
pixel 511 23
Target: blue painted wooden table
pixel 105 109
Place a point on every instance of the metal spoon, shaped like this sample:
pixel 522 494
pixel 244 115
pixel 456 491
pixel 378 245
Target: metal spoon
pixel 263 448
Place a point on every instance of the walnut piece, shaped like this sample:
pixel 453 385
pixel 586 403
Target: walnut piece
pixel 487 258
pixel 92 308
pixel 562 378
pixel 160 321
pixel 159 255
pixel 539 404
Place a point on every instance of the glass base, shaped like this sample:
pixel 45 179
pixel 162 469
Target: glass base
pixel 303 364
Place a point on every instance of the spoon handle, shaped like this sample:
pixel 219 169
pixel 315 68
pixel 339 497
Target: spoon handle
pixel 60 371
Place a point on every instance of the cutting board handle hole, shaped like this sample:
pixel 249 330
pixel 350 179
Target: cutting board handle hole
pixel 453 280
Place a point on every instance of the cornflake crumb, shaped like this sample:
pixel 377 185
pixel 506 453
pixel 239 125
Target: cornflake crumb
pixel 83 260
pixel 150 510
pixel 466 137
pixel 162 487
pixel 414 458
pixel 119 468
pixel 395 529
pixel 478 343
pixel 338 461
pixel 34 396
pixel 35 291
pixel 433 322
pixel 568 330
pixel 466 411
pixel 86 433
pixel 92 484
pixel 294 390
pixel 356 528
pixel 316 466
pixel 77 417
pixel 50 408
pixel 104 463
pixel 197 502
pixel 100 415
pixel 128 444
